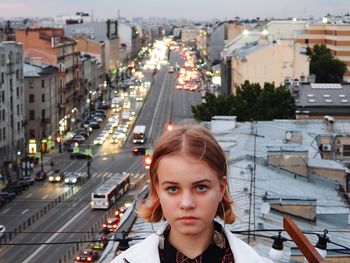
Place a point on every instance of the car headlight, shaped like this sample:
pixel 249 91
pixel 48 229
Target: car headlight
pixel 66 180
pixel 51 178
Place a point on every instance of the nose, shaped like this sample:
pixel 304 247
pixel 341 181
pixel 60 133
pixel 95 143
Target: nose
pixel 187 200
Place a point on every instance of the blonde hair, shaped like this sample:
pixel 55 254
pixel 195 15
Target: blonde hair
pixel 194 141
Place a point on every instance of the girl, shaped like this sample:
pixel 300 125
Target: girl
pixel 188 188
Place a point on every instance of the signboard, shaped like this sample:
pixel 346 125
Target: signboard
pixel 38 155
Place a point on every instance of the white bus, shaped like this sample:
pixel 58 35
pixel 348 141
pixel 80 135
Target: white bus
pixel 109 192
pixel 139 135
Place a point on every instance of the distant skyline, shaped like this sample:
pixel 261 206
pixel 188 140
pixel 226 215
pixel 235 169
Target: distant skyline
pixel 190 9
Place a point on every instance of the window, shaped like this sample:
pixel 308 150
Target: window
pixel 31 84
pixel 3 115
pixel 18 127
pixel 42 97
pixel 17 109
pixel 43 115
pixel 43 83
pixel 3 96
pixel 32 115
pixel 31 98
pixel 17 91
pixel 346 150
pixel 2 77
pixel 4 133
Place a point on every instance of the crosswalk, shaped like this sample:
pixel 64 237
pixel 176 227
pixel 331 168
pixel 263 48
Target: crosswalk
pixel 133 176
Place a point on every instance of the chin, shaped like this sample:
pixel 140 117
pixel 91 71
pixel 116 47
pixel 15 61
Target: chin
pixel 189 229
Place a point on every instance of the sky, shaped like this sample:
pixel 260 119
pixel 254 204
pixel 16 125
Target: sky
pixel 190 9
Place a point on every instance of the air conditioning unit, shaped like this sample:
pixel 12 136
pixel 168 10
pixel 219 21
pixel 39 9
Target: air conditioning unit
pixel 326 147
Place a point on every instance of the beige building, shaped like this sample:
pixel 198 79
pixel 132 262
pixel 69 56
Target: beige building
pixel 336 37
pixel 190 34
pixel 92 47
pixel 268 61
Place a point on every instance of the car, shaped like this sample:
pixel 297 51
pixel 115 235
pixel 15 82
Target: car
pixel 79 155
pixel 84 133
pixel 78 138
pixel 57 177
pixel 119 135
pixel 2 202
pixel 11 188
pixel 2 230
pixel 99 242
pixel 7 196
pixel 171 69
pixel 27 179
pixel 40 176
pixel 110 225
pixel 139 98
pixel 87 255
pixel 99 141
pixel 71 179
pixel 139 150
pixel 119 213
pixel 95 125
pixel 70 147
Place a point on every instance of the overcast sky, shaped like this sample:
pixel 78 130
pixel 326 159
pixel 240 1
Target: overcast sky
pixel 192 9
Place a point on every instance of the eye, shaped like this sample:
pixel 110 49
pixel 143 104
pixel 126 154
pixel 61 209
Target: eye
pixel 201 188
pixel 171 189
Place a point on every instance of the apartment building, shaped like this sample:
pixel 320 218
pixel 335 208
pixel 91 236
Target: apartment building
pixel 190 34
pixel 336 37
pixel 41 100
pixel 106 32
pixel 54 48
pixel 12 142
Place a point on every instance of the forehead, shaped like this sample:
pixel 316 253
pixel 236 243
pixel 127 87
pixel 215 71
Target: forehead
pixel 183 169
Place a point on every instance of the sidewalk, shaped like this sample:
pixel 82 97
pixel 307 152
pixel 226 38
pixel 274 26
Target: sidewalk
pixel 47 158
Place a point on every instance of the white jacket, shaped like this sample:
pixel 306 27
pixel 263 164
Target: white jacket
pixel 146 251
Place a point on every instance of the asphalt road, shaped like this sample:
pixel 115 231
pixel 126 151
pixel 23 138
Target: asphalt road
pixel 71 219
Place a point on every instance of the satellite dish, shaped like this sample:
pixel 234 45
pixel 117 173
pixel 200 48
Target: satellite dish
pixel 288 135
pixel 265 208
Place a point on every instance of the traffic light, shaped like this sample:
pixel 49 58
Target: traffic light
pixel 148 161
pixel 58 140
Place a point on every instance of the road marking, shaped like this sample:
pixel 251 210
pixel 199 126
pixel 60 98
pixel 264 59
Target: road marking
pixel 44 197
pixel 29 259
pixel 5 211
pixel 29 195
pixel 25 211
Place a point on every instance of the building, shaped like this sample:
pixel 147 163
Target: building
pixel 106 32
pixel 92 47
pixel 12 142
pixel 190 34
pixel 261 56
pixel 52 47
pixel 335 36
pixel 41 100
pixel 316 100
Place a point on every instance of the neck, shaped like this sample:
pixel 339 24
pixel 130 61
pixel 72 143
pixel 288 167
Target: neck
pixel 191 245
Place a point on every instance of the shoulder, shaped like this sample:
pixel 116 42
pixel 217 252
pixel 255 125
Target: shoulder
pixel 243 252
pixel 145 251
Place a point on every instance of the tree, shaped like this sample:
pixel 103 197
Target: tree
pixel 324 65
pixel 250 102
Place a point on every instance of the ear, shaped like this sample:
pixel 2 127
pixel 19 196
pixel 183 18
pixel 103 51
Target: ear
pixel 223 186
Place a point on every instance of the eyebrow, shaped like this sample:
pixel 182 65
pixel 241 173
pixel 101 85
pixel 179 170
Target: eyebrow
pixel 196 182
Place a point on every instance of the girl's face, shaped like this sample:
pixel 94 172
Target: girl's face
pixel 189 193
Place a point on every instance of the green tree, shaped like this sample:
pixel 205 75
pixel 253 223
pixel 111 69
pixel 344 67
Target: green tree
pixel 324 65
pixel 250 102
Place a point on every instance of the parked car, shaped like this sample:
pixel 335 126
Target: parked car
pixel 40 176
pixel 28 179
pixel 7 196
pixel 2 202
pixel 12 188
pixel 78 138
pixel 94 125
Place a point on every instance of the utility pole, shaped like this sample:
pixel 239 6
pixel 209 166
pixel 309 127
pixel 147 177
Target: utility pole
pixel 252 182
